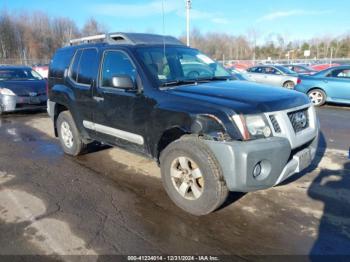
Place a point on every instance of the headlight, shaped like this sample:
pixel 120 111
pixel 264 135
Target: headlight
pixel 6 92
pixel 252 126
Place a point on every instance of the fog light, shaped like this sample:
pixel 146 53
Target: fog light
pixel 257 170
pixel 267 131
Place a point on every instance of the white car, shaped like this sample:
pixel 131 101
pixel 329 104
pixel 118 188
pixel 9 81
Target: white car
pixel 273 75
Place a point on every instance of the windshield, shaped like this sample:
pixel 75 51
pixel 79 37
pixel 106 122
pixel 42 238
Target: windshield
pixel 285 70
pixel 180 64
pixel 304 69
pixel 18 74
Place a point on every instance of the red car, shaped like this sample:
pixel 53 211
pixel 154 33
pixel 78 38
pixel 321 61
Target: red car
pixel 320 67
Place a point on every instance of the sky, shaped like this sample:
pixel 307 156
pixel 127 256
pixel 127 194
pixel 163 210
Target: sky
pixel 293 19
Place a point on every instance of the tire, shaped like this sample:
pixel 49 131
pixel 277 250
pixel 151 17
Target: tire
pixel 206 190
pixel 69 135
pixel 289 85
pixel 193 74
pixel 317 97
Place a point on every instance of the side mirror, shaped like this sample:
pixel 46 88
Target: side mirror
pixel 123 81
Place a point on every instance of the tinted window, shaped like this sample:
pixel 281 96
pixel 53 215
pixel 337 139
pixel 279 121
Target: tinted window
pixel 255 70
pixel 268 70
pixel 340 73
pixel 88 66
pixel 73 72
pixel 60 62
pixel 116 63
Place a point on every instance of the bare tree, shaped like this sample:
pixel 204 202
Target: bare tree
pixel 93 27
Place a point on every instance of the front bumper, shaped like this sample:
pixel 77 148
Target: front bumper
pixel 278 161
pixel 10 103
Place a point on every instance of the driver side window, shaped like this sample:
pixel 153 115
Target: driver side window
pixel 116 63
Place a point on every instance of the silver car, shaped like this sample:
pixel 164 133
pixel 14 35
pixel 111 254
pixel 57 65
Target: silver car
pixel 273 75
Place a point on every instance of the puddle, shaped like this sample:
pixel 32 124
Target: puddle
pixel 19 136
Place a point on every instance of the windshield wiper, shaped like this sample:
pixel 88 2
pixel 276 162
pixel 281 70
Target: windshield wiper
pixel 195 81
pixel 178 82
pixel 215 78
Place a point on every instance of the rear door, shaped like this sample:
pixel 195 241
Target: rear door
pixel 82 75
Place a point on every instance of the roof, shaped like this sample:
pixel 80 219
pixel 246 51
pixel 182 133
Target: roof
pixel 129 39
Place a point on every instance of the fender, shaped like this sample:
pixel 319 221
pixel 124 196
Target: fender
pixel 61 98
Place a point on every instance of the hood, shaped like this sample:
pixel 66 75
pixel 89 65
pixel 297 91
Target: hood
pixel 243 96
pixel 24 87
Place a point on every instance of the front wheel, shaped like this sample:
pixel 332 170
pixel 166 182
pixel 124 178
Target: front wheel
pixel 192 176
pixel 317 97
pixel 68 134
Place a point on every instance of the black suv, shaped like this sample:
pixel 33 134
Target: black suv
pixel 152 95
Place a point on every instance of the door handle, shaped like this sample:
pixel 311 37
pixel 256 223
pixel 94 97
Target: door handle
pixel 98 98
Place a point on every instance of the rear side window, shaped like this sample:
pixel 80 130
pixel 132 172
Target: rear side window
pixel 73 72
pixel 340 73
pixel 256 70
pixel 88 66
pixel 60 62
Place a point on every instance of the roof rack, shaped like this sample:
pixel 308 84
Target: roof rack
pixel 127 38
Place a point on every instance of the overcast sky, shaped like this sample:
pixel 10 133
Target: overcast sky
pixel 294 19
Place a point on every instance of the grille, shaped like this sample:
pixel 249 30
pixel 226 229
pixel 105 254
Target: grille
pixel 275 124
pixel 299 120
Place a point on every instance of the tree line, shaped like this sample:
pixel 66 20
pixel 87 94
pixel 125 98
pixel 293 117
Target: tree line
pixel 223 46
pixel 33 38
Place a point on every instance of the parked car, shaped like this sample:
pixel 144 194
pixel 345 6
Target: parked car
pixel 210 135
pixel 330 85
pixel 21 88
pixel 273 75
pixel 301 69
pixel 321 67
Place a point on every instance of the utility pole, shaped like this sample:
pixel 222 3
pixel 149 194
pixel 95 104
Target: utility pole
pixel 331 56
pixel 188 7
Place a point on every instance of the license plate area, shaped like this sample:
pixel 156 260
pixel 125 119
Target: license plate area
pixel 34 100
pixel 303 158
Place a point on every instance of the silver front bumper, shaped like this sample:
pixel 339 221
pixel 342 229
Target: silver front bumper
pixel 280 156
pixel 11 103
pixel 238 159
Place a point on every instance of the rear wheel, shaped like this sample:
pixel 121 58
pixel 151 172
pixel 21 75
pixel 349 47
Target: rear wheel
pixel 317 97
pixel 68 134
pixel 289 85
pixel 192 176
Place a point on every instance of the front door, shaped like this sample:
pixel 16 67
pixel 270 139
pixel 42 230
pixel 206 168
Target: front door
pixel 120 114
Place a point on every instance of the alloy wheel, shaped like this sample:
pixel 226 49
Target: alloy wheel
pixel 187 178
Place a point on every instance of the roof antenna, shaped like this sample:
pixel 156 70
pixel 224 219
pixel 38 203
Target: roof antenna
pixel 163 30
